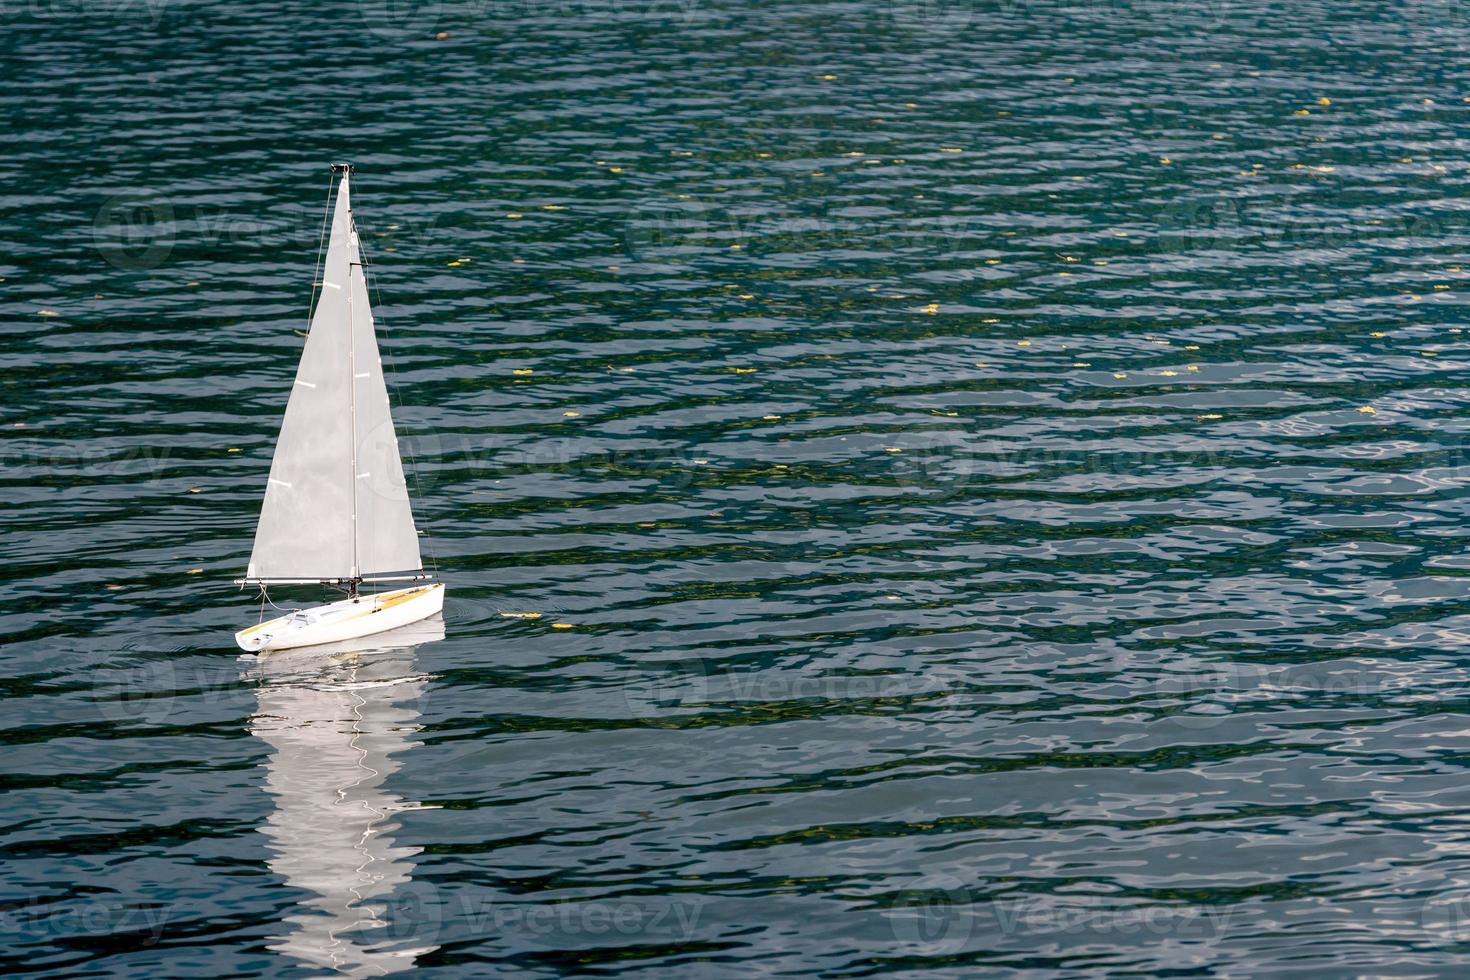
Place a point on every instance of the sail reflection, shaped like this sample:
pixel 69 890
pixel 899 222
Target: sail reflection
pixel 338 721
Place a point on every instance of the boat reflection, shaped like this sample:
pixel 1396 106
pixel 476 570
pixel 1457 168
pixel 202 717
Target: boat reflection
pixel 337 720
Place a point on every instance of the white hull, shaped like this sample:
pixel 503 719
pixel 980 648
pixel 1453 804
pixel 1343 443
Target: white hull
pixel 344 620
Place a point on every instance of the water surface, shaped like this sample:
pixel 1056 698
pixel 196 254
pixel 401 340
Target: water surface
pixel 998 468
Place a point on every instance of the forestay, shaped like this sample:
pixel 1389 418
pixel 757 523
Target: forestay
pixel 336 506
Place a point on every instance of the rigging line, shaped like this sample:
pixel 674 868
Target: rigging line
pixel 316 278
pixel 390 376
pixel 265 598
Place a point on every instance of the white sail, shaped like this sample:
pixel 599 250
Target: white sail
pixel 336 506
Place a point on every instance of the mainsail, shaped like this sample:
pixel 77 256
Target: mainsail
pixel 336 505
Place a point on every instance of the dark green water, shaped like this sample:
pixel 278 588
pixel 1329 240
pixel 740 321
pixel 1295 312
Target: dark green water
pixel 1002 466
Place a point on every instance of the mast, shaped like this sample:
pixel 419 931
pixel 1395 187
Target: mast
pixel 345 169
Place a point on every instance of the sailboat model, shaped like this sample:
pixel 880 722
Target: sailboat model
pixel 336 509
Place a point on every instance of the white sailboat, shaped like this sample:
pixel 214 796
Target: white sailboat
pixel 336 509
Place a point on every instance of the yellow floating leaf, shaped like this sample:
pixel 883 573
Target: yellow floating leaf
pixel 1120 374
pixel 1165 161
pixel 828 78
pixel 931 308
pixel 892 449
pixel 1192 367
pixel 1303 112
pixel 743 370
pixel 1081 364
pixel 1324 101
pixel 1023 343
pixel 1368 410
pixel 1191 346
pixel 992 261
pixel 514 214
pixel 1208 418
pixel 700 462
pixel 112 587
pixel 233 449
pixel 521 615
pixel 571 415
pixel 194 571
pixel 553 207
pixel 47 313
pixel 1170 374
pixel 522 371
pixel 771 418
pixel 561 626
pixel 1440 285
pixel 982 365
pixel 747 295
pixel 950 149
pixel 195 490
pixel 1378 333
pixel 614 170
